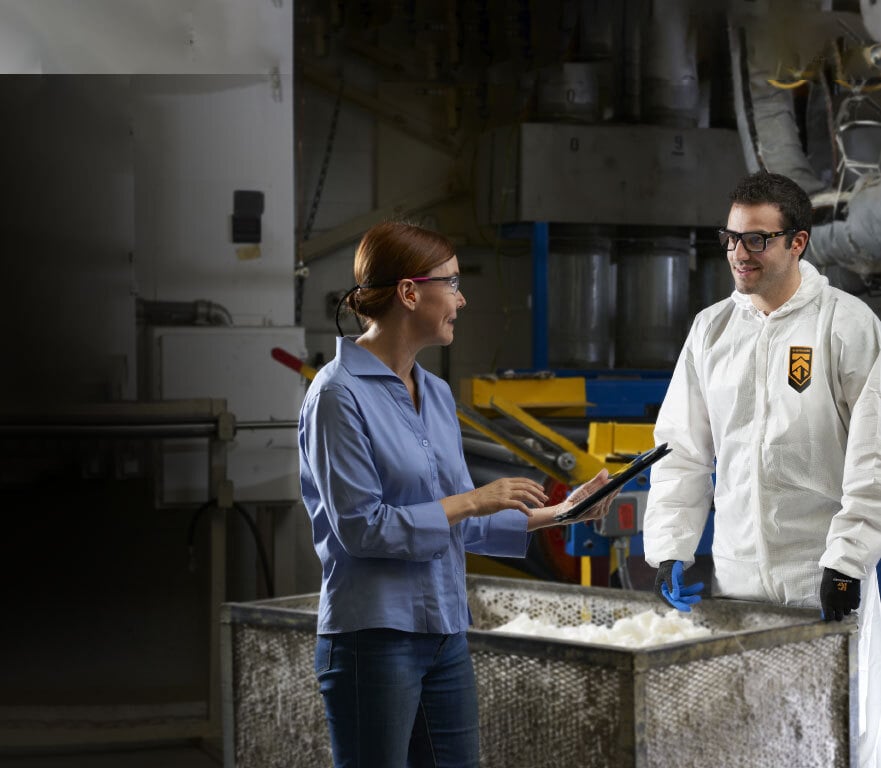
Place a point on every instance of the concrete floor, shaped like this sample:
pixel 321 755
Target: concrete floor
pixel 145 757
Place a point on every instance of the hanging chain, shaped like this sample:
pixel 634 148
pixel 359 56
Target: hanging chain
pixel 328 151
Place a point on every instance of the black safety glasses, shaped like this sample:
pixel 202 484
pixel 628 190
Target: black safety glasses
pixel 754 242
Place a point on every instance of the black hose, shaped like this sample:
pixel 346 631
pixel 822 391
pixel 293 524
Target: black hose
pixel 261 549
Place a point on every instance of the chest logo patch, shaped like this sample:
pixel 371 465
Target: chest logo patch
pixel 800 367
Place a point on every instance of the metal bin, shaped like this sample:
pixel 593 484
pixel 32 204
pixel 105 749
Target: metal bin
pixel 772 687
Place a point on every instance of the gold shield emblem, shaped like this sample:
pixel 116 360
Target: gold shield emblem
pixel 800 367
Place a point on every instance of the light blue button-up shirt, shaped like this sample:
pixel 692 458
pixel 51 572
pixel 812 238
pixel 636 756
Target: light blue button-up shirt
pixel 372 469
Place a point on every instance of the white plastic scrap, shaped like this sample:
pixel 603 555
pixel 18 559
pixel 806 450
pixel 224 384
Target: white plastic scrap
pixel 643 629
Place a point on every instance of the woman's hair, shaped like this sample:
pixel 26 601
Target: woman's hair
pixel 388 253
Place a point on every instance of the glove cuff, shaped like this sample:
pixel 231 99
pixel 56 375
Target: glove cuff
pixel 664 576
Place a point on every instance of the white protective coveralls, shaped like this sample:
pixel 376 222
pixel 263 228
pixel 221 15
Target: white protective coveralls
pixel 770 398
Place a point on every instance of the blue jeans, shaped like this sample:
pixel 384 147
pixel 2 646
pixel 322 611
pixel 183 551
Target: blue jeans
pixel 396 699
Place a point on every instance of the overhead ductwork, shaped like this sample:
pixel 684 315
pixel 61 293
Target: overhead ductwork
pixel 766 118
pixel 855 242
pixel 768 125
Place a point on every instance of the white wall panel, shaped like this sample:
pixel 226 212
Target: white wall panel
pixel 196 141
pixel 137 37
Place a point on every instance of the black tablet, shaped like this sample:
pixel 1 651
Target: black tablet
pixel 617 480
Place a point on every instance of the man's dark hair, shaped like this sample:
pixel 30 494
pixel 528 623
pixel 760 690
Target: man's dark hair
pixel 792 201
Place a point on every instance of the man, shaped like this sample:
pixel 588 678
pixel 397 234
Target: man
pixel 762 395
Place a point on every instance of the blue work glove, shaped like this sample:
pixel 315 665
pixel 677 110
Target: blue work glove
pixel 669 586
pixel 839 595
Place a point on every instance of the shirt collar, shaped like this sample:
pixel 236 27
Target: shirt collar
pixel 360 362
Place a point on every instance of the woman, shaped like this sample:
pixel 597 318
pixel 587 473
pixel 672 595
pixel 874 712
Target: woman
pixel 393 510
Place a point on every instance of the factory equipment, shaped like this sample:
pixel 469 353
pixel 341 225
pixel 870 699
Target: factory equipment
pixel 557 456
pixel 514 412
pixel 580 280
pixel 653 277
pixel 660 185
pixel 651 175
pixel 627 187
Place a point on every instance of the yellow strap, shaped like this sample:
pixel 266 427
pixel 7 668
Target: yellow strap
pixel 787 86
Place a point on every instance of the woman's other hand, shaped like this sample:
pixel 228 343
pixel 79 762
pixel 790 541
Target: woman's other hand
pixel 518 493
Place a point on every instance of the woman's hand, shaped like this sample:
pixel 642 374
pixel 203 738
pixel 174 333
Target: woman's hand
pixel 544 517
pixel 518 493
pixel 598 510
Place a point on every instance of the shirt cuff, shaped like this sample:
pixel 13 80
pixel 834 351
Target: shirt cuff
pixel 433 530
pixel 508 533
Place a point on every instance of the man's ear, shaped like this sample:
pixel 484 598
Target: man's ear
pixel 799 242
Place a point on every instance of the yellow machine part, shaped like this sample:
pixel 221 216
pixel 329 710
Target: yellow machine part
pixel 554 397
pixel 525 400
pixel 611 439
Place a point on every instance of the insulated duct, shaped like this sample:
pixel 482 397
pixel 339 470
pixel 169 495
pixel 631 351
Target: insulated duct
pixel 766 118
pixel 854 243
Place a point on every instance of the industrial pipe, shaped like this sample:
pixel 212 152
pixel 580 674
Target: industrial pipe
pixel 854 242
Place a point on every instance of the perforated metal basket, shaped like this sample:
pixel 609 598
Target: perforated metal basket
pixel 772 687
